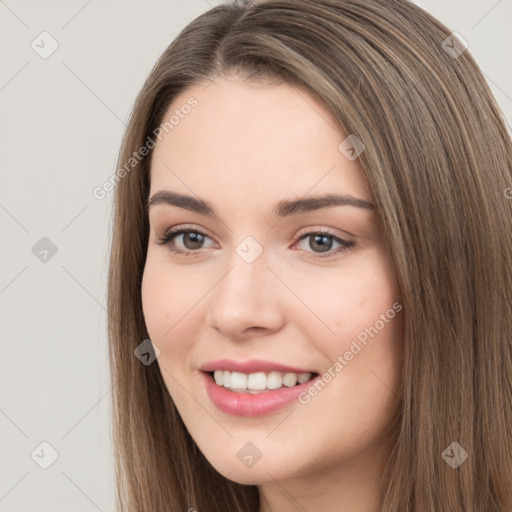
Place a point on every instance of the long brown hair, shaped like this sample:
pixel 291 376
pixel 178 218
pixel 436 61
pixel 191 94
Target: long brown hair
pixel 437 161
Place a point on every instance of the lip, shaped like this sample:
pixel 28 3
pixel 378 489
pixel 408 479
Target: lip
pixel 251 405
pixel 250 366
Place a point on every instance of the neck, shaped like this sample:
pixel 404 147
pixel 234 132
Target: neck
pixel 348 485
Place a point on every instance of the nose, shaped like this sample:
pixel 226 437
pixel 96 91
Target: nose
pixel 247 301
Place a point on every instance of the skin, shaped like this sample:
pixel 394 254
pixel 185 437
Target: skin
pixel 244 148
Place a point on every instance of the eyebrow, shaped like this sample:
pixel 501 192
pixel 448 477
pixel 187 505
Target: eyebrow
pixel 285 208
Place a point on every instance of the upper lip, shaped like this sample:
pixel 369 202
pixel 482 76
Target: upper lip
pixel 250 366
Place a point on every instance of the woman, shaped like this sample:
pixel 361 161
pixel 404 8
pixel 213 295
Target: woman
pixel 309 296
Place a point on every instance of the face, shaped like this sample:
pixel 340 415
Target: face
pixel 238 273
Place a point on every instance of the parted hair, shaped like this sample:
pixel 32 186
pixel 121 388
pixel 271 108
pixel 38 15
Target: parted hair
pixel 437 160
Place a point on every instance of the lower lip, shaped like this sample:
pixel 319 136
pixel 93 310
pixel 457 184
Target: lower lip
pixel 247 404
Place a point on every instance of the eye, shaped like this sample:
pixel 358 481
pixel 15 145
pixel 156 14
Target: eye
pixel 185 240
pixel 321 242
pixel 191 239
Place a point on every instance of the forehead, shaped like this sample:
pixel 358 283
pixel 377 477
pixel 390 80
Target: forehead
pixel 253 140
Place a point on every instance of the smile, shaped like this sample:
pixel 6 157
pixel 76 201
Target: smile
pixel 258 382
pixel 251 402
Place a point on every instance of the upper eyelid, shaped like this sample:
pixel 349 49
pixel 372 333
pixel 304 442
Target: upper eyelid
pixel 178 230
pixel 304 231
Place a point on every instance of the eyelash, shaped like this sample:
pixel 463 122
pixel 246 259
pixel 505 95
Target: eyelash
pixel 169 236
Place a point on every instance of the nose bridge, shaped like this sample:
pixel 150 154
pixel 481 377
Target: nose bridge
pixel 247 264
pixel 244 297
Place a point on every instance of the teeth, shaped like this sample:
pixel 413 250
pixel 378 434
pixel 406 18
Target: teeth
pixel 259 381
pixel 238 380
pixel 304 377
pixel 254 381
pixel 274 380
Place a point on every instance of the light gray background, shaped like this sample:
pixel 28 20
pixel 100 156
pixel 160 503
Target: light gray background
pixel 61 122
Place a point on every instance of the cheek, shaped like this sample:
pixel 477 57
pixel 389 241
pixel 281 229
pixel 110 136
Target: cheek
pixel 348 300
pixel 166 297
pixel 161 306
pixel 156 298
pixel 173 306
pixel 360 336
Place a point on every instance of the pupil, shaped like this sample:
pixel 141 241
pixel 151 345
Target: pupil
pixel 319 241
pixel 195 238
